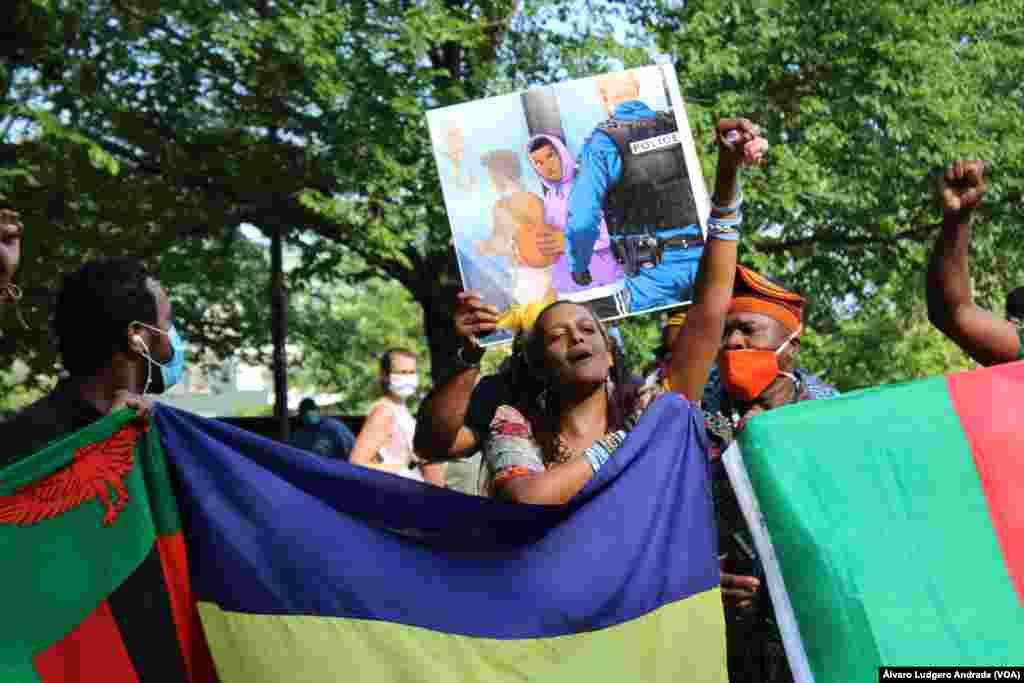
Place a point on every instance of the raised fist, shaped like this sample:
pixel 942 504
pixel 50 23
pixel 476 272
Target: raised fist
pixel 740 141
pixel 963 186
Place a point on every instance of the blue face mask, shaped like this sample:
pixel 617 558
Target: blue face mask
pixel 311 418
pixel 171 371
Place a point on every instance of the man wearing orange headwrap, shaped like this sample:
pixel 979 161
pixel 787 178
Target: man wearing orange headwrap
pixel 756 372
pixel 760 343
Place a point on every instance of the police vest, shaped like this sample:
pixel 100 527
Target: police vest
pixel 653 192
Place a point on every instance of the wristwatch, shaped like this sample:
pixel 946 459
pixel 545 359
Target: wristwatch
pixel 469 357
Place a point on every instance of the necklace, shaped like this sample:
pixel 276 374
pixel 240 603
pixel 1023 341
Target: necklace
pixel 555 451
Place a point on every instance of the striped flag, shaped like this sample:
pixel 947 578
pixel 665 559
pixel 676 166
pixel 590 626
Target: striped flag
pixel 312 570
pixel 304 569
pixel 96 585
pixel 895 523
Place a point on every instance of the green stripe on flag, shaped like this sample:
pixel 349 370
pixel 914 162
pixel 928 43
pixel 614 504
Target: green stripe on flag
pixel 158 482
pixel 877 515
pixel 22 671
pixel 57 571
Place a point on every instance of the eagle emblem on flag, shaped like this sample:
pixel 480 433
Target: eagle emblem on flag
pixel 97 471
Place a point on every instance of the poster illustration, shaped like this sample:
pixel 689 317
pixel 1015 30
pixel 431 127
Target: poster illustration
pixel 588 190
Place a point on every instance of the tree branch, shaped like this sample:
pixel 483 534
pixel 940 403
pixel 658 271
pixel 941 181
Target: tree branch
pixel 775 246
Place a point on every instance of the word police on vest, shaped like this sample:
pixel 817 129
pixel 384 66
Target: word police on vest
pixel 654 144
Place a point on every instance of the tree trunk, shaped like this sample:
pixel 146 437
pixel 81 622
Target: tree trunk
pixel 279 330
pixel 437 297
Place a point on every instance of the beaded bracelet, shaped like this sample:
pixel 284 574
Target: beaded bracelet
pixel 724 234
pixel 733 208
pixel 730 222
pixel 601 451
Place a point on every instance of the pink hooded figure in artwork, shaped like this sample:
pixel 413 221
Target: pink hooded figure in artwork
pixel 556 168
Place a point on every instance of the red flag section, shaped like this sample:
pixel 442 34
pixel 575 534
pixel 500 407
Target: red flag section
pixel 990 404
pixel 95 646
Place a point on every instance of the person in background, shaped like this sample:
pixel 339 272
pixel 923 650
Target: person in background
pixel 386 440
pixel 983 336
pixel 321 435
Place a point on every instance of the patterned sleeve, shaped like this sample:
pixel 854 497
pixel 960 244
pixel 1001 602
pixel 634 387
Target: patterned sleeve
pixel 510 451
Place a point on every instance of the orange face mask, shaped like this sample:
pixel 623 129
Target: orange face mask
pixel 746 373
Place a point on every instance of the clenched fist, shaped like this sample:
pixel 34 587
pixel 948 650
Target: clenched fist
pixel 963 186
pixel 740 141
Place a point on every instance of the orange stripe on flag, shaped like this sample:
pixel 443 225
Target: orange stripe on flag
pixel 990 404
pixel 93 651
pixel 174 559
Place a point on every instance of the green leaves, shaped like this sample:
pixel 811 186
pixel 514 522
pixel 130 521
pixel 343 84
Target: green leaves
pixel 345 328
pixel 861 103
pixel 170 124
pixel 103 160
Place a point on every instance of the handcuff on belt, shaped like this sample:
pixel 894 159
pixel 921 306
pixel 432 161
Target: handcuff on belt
pixel 647 251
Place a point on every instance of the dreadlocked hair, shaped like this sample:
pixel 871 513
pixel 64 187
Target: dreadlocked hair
pixel 526 377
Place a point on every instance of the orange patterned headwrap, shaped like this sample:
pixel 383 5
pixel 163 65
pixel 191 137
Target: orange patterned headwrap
pixel 754 293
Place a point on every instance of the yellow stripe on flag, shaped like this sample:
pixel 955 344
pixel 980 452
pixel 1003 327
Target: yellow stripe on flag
pixel 682 641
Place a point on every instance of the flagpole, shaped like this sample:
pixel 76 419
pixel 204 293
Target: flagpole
pixel 784 614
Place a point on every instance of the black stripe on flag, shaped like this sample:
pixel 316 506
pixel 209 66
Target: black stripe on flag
pixel 142 609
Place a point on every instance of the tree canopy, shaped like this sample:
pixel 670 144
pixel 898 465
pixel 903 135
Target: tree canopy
pixel 157 129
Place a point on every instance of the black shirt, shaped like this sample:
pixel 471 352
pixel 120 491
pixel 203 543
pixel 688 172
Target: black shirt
pixel 49 419
pixel 490 393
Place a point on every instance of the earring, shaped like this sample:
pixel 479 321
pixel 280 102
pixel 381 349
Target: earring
pixel 139 345
pixel 543 398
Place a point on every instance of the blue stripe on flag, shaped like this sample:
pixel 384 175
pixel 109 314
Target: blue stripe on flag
pixel 274 530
